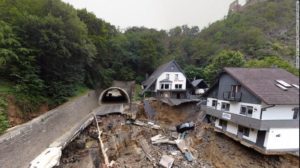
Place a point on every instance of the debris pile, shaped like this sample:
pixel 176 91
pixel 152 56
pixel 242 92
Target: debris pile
pixel 182 141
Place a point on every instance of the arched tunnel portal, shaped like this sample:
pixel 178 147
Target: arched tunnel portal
pixel 114 95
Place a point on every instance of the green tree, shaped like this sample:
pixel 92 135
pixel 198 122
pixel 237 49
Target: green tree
pixel 272 61
pixel 192 72
pixel 8 43
pixel 226 58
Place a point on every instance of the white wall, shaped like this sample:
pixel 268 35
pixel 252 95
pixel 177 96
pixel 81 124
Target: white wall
pixel 232 128
pixel 209 101
pixel 289 138
pixel 278 112
pixel 181 80
pixel 217 123
pixel 235 107
pixel 252 135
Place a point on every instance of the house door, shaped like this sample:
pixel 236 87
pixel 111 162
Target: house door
pixel 178 96
pixel 240 132
pixel 223 124
pixel 260 138
pixel 224 127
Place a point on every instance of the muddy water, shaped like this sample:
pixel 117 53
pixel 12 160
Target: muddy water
pixel 123 141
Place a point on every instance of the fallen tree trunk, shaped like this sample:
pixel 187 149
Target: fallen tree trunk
pixel 106 160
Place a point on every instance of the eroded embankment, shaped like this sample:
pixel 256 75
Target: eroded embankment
pixel 21 144
pixel 126 144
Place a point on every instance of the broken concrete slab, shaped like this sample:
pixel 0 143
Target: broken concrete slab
pixel 145 147
pixel 181 145
pixel 47 159
pixel 141 123
pixel 176 102
pixel 161 139
pixel 166 161
pixel 188 155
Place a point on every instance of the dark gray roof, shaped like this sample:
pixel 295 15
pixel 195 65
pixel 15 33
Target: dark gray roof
pixel 176 102
pixel 196 82
pixel 261 82
pixel 163 68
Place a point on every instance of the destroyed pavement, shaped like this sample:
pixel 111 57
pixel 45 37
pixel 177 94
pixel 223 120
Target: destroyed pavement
pixel 156 143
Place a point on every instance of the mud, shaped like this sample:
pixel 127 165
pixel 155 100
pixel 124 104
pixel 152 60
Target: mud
pixel 126 142
pixel 17 117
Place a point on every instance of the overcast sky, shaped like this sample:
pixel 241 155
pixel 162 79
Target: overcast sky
pixel 159 14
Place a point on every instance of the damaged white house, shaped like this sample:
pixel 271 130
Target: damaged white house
pixel 257 106
pixel 168 80
pixel 169 83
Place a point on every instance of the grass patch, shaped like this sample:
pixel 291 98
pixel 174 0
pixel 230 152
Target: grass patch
pixel 79 91
pixel 6 87
pixel 137 93
pixel 4 124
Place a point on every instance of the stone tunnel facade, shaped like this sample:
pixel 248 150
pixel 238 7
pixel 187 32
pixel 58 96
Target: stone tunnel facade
pixel 114 95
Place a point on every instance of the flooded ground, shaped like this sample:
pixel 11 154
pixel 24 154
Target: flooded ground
pixel 130 146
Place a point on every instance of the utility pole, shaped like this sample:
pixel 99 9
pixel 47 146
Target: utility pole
pixel 297 35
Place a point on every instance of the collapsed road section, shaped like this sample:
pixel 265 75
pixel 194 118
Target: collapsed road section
pixel 128 142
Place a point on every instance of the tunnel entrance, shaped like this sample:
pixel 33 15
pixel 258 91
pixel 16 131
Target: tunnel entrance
pixel 114 95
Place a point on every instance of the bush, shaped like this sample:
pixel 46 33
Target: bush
pixel 4 124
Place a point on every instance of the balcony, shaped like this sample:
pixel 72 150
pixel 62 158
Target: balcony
pixel 249 121
pixel 232 96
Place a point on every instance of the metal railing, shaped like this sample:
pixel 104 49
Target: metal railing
pixel 232 96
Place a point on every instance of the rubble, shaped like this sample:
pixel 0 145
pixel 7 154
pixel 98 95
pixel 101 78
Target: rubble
pixel 166 161
pixel 47 159
pixel 136 143
pixel 185 126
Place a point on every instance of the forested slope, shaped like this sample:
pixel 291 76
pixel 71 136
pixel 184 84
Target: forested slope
pixel 49 50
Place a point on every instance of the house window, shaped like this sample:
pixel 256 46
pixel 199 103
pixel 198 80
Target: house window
pixel 214 103
pixel 244 130
pixel 176 76
pixel 225 106
pixel 296 113
pixel 249 111
pixel 222 123
pixel 164 86
pixel 243 110
pixel 246 110
pixel 178 86
pixel 167 76
pixel 235 88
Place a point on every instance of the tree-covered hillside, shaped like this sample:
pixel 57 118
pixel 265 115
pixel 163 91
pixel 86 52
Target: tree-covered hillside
pixel 263 29
pixel 49 50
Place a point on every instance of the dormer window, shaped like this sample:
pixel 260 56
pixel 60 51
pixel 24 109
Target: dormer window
pixel 167 76
pixel 176 76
